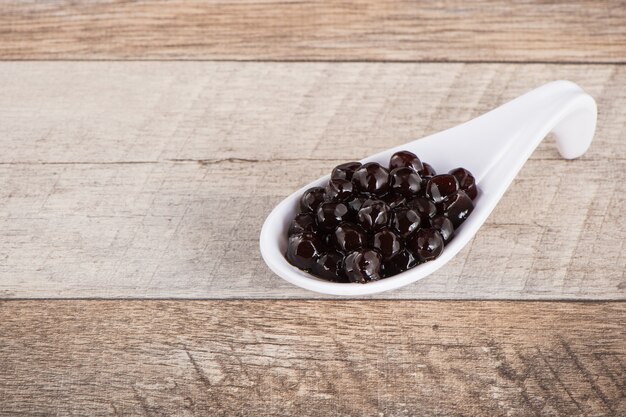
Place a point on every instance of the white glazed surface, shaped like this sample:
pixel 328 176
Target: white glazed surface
pixel 493 147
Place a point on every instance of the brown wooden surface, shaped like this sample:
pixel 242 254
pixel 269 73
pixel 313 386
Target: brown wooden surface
pixel 317 358
pixel 153 179
pixel 111 174
pixel 388 30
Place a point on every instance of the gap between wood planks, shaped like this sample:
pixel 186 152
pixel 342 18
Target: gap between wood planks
pixel 243 160
pixel 326 61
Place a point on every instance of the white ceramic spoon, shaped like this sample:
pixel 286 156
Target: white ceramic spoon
pixel 493 147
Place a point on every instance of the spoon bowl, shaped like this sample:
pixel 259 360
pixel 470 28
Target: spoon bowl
pixel 493 146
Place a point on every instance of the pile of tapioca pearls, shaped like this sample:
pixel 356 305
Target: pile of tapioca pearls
pixel 372 222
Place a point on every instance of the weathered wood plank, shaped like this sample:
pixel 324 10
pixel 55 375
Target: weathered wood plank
pixel 125 179
pixel 575 31
pixel 173 230
pixel 312 358
pixel 146 111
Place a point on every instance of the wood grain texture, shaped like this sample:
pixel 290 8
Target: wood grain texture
pixel 153 180
pixel 264 358
pixel 389 30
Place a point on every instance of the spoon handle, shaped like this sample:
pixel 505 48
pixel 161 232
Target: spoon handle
pixel 498 143
pixel 517 128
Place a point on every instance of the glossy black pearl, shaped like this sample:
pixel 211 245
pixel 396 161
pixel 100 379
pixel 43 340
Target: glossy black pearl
pixel 426 244
pixel 355 204
pixel 405 159
pixel 311 199
pixel 338 190
pixel 374 215
pixel 394 200
pixel 345 171
pixel 405 221
pixel 329 215
pixel 457 208
pixel 303 222
pixel 471 191
pixel 403 261
pixel 440 187
pixel 425 208
pixel 443 225
pixel 348 237
pixel 387 243
pixel 428 170
pixel 466 180
pixel 371 178
pixel 363 266
pixel 405 181
pixel 330 266
pixel 303 250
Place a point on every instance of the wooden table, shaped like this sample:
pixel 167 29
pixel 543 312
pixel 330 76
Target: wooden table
pixel 143 143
